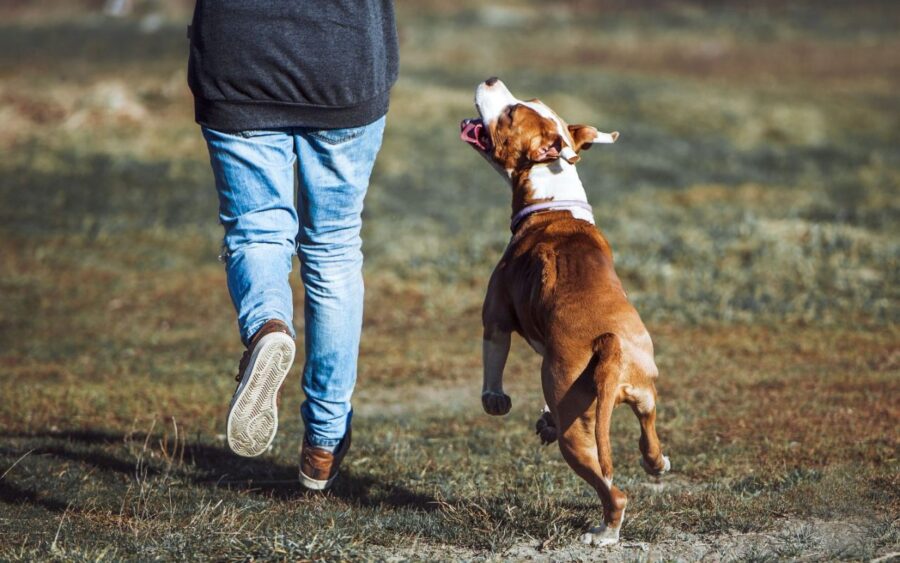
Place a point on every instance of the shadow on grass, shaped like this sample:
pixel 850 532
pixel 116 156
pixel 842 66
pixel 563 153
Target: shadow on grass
pixel 203 465
pixel 13 494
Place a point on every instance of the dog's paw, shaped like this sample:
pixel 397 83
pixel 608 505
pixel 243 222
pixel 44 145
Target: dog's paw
pixel 545 427
pixel 495 404
pixel 656 472
pixel 601 536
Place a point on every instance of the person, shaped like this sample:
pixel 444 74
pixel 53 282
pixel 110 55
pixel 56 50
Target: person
pixel 291 92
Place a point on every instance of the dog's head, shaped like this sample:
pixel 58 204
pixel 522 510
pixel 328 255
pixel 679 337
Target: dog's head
pixel 514 135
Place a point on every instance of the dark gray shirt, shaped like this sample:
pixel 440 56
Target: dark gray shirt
pixel 257 64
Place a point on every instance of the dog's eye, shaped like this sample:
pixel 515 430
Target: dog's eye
pixel 509 112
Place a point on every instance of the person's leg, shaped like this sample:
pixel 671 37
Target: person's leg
pixel 254 175
pixel 334 171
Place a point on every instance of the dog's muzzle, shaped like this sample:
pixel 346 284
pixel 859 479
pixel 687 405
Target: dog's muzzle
pixel 474 132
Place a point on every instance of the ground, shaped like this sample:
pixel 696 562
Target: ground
pixel 752 204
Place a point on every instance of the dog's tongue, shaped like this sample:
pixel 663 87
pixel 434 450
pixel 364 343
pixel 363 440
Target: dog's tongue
pixel 472 132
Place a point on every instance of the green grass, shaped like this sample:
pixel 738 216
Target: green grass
pixel 752 204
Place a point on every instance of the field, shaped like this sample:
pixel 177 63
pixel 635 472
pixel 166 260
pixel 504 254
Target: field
pixel 752 203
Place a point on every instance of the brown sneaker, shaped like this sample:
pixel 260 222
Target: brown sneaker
pixel 318 467
pixel 253 414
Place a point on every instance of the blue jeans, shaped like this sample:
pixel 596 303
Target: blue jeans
pixel 254 172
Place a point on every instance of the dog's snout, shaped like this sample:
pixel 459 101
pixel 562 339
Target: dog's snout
pixel 491 96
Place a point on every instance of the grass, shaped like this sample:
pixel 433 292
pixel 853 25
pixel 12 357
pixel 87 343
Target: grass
pixel 752 203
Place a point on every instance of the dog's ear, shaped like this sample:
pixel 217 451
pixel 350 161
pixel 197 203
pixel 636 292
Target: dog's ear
pixel 585 136
pixel 552 148
pixel 545 149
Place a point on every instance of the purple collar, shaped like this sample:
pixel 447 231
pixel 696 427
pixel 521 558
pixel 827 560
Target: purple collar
pixel 535 207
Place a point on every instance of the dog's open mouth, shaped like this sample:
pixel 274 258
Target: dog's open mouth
pixel 475 133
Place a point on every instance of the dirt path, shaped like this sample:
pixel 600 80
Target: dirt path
pixel 798 540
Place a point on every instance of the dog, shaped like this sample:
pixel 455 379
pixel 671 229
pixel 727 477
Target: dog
pixel 556 286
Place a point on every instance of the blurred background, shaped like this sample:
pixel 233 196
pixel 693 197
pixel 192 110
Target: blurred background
pixel 752 204
pixel 756 178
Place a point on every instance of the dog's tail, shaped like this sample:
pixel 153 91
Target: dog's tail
pixel 608 358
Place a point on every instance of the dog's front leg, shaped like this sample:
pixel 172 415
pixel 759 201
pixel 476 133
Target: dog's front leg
pixel 495 349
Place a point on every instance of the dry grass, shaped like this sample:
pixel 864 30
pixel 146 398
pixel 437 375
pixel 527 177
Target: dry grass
pixel 752 204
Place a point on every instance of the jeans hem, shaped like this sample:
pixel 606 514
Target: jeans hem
pixel 317 443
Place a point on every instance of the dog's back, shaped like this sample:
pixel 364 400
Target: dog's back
pixel 564 270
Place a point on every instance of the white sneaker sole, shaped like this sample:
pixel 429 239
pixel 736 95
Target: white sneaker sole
pixel 253 415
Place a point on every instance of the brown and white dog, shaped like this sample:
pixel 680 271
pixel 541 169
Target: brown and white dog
pixel 555 285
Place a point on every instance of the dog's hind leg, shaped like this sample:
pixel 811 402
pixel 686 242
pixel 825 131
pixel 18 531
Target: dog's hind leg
pixel 580 411
pixel 643 402
pixel 607 370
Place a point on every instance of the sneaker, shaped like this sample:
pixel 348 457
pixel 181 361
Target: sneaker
pixel 253 414
pixel 319 467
